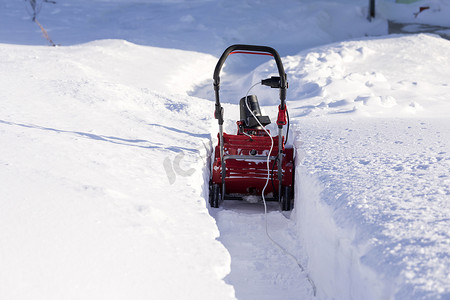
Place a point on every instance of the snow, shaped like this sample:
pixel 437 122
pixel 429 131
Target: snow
pixel 85 211
pixel 389 197
pixel 375 139
pixel 106 142
pixel 259 270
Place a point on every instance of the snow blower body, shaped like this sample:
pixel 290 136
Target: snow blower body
pixel 240 168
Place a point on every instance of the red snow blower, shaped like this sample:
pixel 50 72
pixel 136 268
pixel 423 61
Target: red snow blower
pixel 243 162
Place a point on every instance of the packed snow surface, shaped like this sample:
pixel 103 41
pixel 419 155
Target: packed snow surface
pixel 105 145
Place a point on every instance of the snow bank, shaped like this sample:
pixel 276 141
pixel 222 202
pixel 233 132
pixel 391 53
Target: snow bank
pixel 373 188
pixel 101 176
pixel 391 76
pixel 334 259
pixel 377 203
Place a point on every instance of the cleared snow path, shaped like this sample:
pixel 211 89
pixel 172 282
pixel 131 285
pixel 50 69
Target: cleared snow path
pixel 259 270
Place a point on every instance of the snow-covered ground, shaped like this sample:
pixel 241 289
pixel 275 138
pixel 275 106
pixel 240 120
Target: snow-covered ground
pixel 105 146
pixel 87 211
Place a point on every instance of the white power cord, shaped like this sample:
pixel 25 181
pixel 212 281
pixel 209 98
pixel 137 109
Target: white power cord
pixel 264 199
pixel 268 156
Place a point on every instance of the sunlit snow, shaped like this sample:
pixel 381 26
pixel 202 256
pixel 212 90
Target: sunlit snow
pixel 106 142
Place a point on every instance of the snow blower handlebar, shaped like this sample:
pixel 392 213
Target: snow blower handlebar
pixel 250 49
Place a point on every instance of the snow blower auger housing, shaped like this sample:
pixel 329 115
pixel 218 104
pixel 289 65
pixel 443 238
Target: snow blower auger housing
pixel 239 167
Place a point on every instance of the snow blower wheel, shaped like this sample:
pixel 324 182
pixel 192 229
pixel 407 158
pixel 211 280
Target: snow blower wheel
pixel 286 198
pixel 239 167
pixel 214 195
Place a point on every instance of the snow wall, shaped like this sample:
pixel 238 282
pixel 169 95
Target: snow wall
pixel 334 257
pixel 334 254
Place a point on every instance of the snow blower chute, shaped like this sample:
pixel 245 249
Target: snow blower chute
pixel 242 162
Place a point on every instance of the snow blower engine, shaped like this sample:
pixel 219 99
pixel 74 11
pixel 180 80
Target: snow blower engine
pixel 243 162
